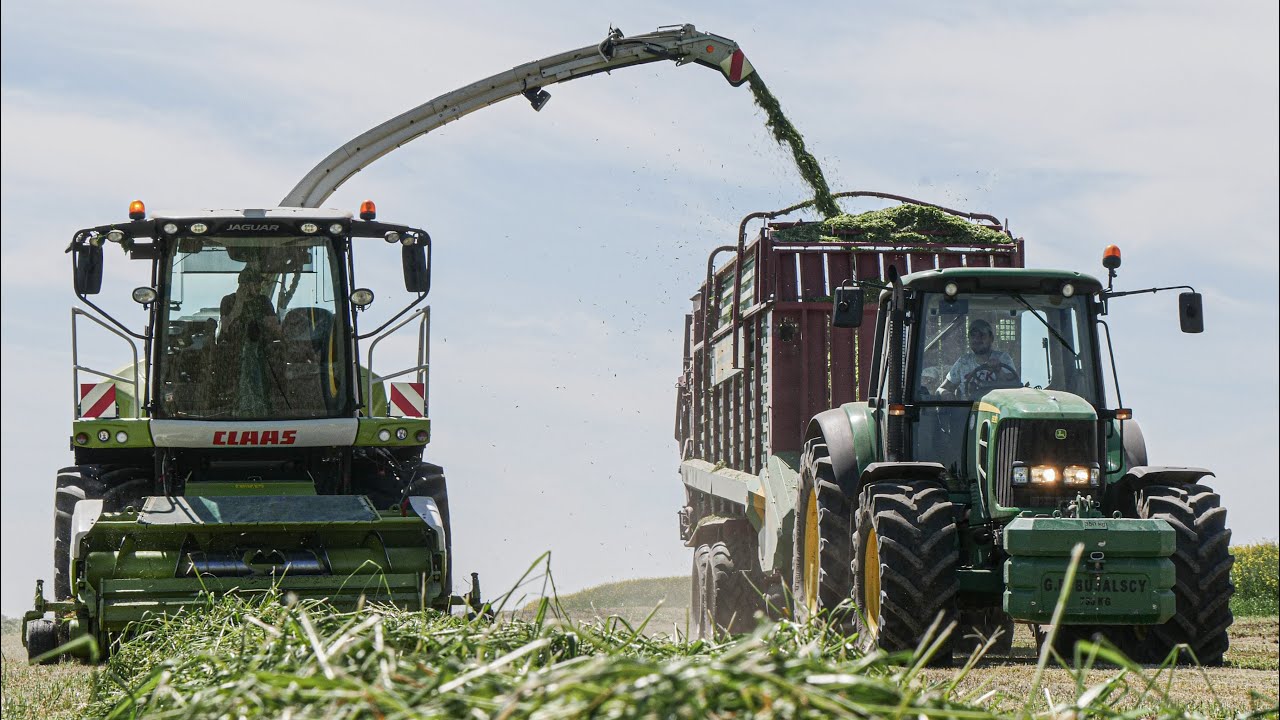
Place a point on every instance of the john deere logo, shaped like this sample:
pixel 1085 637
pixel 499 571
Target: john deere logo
pixel 1060 434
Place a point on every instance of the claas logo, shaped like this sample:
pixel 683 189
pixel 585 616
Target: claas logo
pixel 255 437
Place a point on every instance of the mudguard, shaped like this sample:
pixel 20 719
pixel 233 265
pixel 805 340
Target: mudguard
pixel 852 441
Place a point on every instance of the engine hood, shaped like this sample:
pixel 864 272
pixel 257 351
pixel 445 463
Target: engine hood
pixel 1035 403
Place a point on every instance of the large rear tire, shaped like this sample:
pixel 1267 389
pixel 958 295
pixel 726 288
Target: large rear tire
pixel 1202 561
pixel 905 562
pixel 820 542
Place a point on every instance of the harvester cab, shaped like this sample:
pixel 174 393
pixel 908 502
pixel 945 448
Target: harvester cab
pixel 246 448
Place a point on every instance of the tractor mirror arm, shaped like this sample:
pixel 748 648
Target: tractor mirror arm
pixel 1107 294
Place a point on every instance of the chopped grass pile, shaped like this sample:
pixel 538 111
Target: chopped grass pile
pixel 905 224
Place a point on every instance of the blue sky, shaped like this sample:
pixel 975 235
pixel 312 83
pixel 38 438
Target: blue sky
pixel 569 241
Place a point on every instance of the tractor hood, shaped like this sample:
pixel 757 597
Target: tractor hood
pixel 1035 403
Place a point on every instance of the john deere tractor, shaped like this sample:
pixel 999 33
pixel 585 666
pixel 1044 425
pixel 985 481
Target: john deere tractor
pixel 987 450
pixel 245 448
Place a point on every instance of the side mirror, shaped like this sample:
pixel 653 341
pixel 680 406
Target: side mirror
pixel 1190 312
pixel 88 269
pixel 417 269
pixel 846 311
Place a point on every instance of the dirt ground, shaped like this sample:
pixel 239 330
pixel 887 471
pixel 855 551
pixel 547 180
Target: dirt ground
pixel 1250 681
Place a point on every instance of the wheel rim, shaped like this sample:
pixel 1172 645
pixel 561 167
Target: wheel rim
pixel 811 552
pixel 871 582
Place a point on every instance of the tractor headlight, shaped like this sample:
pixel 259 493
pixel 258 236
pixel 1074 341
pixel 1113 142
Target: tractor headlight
pixel 1044 475
pixel 1080 475
pixel 1019 474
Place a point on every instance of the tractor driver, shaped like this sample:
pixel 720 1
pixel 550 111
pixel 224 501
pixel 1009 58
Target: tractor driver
pixel 982 365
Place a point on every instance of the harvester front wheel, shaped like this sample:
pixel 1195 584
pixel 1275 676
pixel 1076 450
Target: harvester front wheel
pixel 1202 589
pixel 820 542
pixel 75 483
pixel 429 482
pixel 42 637
pixel 906 557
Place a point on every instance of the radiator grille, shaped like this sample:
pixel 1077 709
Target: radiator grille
pixel 1038 442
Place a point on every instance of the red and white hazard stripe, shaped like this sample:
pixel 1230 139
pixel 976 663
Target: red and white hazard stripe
pixel 98 400
pixel 408 399
pixel 736 67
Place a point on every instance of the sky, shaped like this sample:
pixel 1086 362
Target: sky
pixel 568 242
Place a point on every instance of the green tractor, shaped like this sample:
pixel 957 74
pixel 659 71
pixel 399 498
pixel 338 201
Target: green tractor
pixel 247 450
pixel 986 450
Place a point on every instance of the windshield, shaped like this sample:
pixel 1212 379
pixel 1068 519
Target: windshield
pixel 251 330
pixel 976 343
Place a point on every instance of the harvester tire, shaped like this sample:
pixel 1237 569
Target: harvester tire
pixel 732 601
pixel 700 604
pixel 1202 589
pixel 75 483
pixel 42 636
pixel 429 482
pixel 820 542
pixel 905 561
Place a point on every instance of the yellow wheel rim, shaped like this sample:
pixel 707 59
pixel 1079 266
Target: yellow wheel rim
pixel 871 582
pixel 811 552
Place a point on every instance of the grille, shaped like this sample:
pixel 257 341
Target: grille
pixel 1036 442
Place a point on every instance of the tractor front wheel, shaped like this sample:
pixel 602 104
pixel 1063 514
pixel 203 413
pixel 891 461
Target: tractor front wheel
pixel 1202 589
pixel 905 562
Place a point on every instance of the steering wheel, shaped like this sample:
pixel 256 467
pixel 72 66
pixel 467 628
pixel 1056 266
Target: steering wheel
pixel 990 378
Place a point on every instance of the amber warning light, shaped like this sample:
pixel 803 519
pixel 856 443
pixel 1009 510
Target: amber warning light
pixel 368 210
pixel 137 211
pixel 1111 257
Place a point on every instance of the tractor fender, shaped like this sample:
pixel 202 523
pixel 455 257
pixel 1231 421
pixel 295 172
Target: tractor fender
pixel 901 472
pixel 1119 495
pixel 852 441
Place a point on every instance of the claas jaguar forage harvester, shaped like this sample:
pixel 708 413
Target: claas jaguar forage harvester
pixel 245 448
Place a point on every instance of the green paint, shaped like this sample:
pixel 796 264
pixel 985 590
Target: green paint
pixel 784 132
pixel 900 225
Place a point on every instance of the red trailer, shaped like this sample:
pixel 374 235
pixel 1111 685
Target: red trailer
pixel 761 358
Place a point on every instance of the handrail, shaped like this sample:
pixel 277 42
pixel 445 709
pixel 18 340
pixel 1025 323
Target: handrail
pixel 424 353
pixel 76 367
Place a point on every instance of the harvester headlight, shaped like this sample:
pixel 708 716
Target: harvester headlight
pixel 122 437
pixel 1020 475
pixel 361 297
pixel 199 228
pixel 335 229
pixel 82 438
pixel 951 289
pixel 144 295
pixel 420 436
pixel 384 435
pixel 104 435
pixel 1079 475
pixel 115 236
pixel 1043 474
pixel 392 236
pixel 402 434
pixel 170 228
pixel 308 228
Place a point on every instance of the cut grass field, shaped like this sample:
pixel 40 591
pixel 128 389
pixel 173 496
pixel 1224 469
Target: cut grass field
pixel 240 658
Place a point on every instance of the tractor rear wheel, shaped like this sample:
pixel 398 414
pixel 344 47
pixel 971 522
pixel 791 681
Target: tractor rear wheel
pixel 701 593
pixel 820 541
pixel 1202 561
pixel 905 562
pixel 732 601
pixel 42 636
